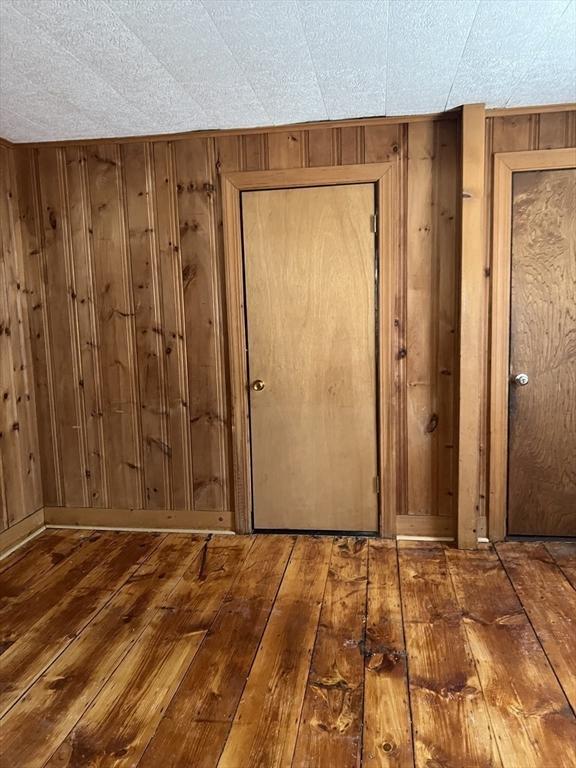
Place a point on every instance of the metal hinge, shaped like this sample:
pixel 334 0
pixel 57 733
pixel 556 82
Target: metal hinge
pixel 377 484
pixel 374 223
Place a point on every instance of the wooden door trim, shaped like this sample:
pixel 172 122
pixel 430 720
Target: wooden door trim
pixel 505 165
pixel 383 175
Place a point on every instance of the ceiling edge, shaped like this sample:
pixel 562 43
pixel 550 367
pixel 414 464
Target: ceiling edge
pixel 313 125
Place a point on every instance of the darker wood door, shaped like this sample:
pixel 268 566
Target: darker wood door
pixel 542 419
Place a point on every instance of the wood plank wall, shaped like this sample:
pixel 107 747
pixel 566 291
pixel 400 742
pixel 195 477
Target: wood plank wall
pixel 20 483
pixel 513 133
pixel 124 268
pixel 117 252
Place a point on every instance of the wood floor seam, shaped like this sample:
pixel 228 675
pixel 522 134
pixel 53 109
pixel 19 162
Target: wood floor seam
pixel 142 757
pixel 570 701
pixel 92 618
pixel 273 651
pixel 487 709
pixel 401 600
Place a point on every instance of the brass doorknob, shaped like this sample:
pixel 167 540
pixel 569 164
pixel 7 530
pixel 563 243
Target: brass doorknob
pixel 258 385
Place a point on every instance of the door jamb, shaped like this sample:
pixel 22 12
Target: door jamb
pixel 505 165
pixel 383 175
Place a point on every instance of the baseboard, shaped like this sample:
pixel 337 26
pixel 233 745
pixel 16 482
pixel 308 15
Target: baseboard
pixel 20 532
pixel 138 519
pixel 426 526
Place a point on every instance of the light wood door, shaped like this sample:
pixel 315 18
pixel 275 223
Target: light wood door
pixel 542 426
pixel 310 299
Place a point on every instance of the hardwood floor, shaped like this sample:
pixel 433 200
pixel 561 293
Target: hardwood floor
pixel 157 651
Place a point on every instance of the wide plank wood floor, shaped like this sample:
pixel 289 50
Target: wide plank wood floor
pixel 165 650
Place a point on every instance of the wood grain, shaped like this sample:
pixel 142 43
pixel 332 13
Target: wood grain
pixel 330 731
pixel 199 718
pixel 564 553
pixel 115 318
pixel 32 651
pixel 265 726
pixel 542 426
pixel 117 728
pixel 30 562
pixel 20 487
pixel 142 240
pixel 259 651
pixel 470 356
pixel 550 603
pixel 309 261
pixel 198 159
pixel 529 713
pixel 387 735
pixel 420 320
pixel 450 719
pixel 58 699
pixel 520 135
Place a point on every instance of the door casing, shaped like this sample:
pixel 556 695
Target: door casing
pixel 383 175
pixel 505 165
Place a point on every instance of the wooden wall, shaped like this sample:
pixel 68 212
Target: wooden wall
pixel 20 484
pixel 124 269
pixel 511 133
pixel 112 316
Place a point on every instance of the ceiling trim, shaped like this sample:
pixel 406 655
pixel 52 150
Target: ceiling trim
pixel 215 133
pixel 314 125
pixel 542 108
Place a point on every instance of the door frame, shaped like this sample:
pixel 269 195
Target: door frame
pixel 505 165
pixel 383 175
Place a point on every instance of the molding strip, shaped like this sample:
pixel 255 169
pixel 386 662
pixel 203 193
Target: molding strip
pixel 17 534
pixel 138 519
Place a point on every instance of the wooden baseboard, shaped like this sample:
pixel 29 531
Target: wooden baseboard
pixel 146 519
pixel 15 535
pixel 426 525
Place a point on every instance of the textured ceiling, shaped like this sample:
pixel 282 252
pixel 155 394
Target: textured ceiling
pixel 95 68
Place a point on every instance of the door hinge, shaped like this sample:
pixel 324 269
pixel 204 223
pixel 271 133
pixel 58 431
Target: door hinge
pixel 377 484
pixel 374 222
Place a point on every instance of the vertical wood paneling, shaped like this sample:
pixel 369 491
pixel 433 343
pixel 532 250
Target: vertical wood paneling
pixel 420 332
pixel 517 131
pixel 445 198
pixel 323 147
pixel 59 291
pixel 114 317
pixel 121 252
pixel 87 333
pixel 172 329
pixel 287 150
pixel 400 318
pixel 254 148
pixel 196 187
pixel 143 233
pixel 12 493
pixel 20 480
pixel 351 145
pixel 554 130
pixel 36 278
pixel 382 143
pixel 228 153
pixel 18 310
pixel 145 273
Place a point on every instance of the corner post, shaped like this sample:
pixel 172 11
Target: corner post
pixel 470 352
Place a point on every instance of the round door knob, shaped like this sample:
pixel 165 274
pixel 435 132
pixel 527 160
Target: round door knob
pixel 521 379
pixel 258 385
